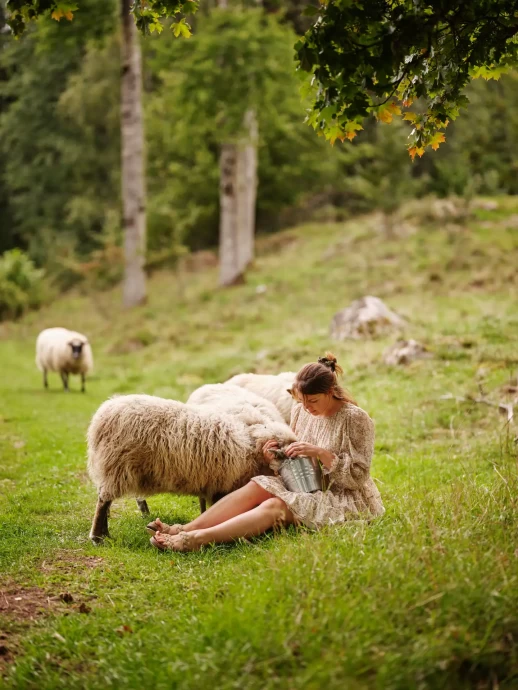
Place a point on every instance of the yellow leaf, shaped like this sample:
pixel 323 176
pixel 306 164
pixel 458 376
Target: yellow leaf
pixel 387 111
pixel 69 15
pixel 408 102
pixel 385 116
pixel 411 117
pixel 394 108
pixel 437 140
pixel 351 135
pixel 57 14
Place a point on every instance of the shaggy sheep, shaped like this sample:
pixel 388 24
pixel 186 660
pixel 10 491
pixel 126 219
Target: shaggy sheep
pixel 63 351
pixel 273 388
pixel 142 445
pixel 228 398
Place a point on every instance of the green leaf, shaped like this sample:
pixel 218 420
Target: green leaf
pixel 181 28
pixel 312 11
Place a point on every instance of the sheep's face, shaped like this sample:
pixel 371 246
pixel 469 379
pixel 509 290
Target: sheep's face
pixel 280 432
pixel 77 348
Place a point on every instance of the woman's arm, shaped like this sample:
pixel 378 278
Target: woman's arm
pixel 350 468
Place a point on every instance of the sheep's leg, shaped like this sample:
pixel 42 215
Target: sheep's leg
pixel 142 504
pixel 45 382
pixel 100 522
pixel 83 389
pixel 203 504
pixel 64 378
pixel 215 498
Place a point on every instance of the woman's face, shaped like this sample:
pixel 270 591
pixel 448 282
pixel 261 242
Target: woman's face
pixel 317 404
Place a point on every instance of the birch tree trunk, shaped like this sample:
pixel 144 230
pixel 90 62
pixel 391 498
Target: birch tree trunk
pixel 133 174
pixel 230 272
pixel 238 194
pixel 237 199
pixel 247 167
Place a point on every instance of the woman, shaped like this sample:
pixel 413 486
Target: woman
pixel 330 427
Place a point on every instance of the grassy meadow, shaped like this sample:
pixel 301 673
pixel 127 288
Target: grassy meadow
pixel 425 597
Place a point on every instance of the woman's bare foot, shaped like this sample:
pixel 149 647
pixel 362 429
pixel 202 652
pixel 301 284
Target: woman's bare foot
pixel 159 526
pixel 183 541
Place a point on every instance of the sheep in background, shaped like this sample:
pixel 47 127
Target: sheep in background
pixel 63 351
pixel 142 445
pixel 273 388
pixel 228 398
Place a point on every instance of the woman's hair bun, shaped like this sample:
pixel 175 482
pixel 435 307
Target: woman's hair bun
pixel 330 361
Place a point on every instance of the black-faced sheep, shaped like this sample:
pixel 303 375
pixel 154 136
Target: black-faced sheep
pixel 273 388
pixel 142 445
pixel 63 351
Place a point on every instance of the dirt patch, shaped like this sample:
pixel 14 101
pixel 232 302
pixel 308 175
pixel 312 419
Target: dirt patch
pixel 22 606
pixel 26 603
pixel 70 562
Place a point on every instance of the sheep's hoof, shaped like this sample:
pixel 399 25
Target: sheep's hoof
pixel 98 539
pixel 143 506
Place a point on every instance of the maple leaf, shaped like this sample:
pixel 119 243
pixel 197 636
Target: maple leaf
pixel 351 130
pixel 419 150
pixel 387 111
pixel 385 116
pixel 181 28
pixel 394 108
pixel 64 9
pixel 437 140
pixel 411 117
pixel 408 102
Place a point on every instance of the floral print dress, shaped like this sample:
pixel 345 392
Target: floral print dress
pixel 351 491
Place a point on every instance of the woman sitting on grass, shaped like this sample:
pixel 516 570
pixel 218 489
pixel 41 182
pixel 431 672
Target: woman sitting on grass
pixel 330 427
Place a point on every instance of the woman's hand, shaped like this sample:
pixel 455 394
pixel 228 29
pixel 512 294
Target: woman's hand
pixel 268 446
pixel 311 451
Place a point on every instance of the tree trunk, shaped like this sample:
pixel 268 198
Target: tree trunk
pixel 230 272
pixel 133 179
pixel 248 172
pixel 238 193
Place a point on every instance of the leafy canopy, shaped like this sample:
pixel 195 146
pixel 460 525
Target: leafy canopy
pixel 368 56
pixel 379 56
pixel 147 13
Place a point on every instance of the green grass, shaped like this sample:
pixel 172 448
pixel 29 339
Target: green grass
pixel 425 597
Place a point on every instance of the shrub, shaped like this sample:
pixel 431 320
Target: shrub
pixel 21 284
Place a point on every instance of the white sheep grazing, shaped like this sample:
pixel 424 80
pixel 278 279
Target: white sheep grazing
pixel 226 397
pixel 63 351
pixel 273 388
pixel 140 445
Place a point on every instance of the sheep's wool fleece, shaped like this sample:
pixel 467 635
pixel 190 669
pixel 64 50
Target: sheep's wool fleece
pixel 54 354
pixel 142 445
pixel 231 399
pixel 273 388
pixel 349 435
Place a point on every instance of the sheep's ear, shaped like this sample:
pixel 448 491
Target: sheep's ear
pixel 70 343
pixel 288 390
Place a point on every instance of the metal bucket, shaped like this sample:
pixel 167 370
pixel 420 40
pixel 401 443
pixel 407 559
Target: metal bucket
pixel 301 475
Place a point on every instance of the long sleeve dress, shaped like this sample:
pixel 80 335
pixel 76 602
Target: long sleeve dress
pixel 351 492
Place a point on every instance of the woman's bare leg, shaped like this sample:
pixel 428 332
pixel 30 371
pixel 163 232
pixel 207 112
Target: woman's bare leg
pixel 235 503
pixel 270 513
